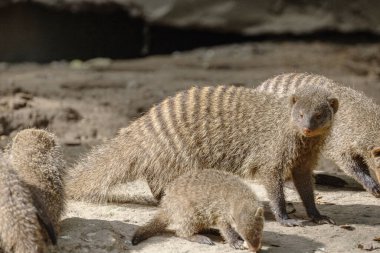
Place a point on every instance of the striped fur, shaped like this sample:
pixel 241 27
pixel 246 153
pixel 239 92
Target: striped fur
pixel 287 84
pixel 31 192
pixel 227 128
pixel 354 143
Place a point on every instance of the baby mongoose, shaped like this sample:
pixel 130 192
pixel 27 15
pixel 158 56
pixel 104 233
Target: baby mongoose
pixel 25 226
pixel 38 160
pixel 243 131
pixel 354 142
pixel 198 200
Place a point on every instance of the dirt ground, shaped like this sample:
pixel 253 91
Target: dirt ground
pixel 85 103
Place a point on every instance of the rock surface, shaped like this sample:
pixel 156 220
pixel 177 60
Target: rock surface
pixel 242 16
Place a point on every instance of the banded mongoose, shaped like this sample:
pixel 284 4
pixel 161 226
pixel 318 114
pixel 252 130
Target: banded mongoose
pixel 24 224
pixel 243 131
pixel 354 142
pixel 198 200
pixel 38 160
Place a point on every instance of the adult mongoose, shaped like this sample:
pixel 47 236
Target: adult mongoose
pixel 200 199
pixel 38 160
pixel 25 226
pixel 243 131
pixel 354 142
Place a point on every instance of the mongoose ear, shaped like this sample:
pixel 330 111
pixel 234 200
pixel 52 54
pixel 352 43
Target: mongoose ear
pixel 334 104
pixel 293 99
pixel 375 152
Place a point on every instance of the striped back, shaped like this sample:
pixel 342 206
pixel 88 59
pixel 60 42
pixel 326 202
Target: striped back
pixel 286 84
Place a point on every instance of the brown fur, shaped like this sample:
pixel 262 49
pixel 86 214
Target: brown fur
pixel 240 130
pixel 24 225
pixel 354 142
pixel 198 200
pixel 37 158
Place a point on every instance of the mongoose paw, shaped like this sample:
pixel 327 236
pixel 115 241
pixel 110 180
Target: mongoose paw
pixel 291 223
pixel 322 219
pixel 238 244
pixel 375 190
pixel 137 239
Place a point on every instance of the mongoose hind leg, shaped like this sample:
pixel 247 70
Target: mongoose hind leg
pixel 274 185
pixel 231 236
pixel 303 181
pixel 358 169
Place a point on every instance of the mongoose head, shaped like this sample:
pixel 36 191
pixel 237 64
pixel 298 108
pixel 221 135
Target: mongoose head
pixel 313 110
pixel 250 228
pixel 32 147
pixel 375 160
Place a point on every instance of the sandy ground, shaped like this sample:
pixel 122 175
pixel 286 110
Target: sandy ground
pixel 86 102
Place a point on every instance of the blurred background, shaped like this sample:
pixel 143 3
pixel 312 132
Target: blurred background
pixel 85 68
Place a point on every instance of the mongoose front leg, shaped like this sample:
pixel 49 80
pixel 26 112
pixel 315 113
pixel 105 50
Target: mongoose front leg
pixel 202 239
pixel 274 185
pixel 303 182
pixel 356 167
pixel 230 235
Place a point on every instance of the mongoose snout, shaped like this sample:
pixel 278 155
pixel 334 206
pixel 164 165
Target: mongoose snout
pixel 375 153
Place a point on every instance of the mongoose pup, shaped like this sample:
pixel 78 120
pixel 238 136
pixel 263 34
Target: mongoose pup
pixel 354 142
pixel 24 224
pixel 243 131
pixel 38 160
pixel 198 200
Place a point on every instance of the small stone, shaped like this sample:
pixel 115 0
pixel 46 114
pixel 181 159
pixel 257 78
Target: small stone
pixel 347 227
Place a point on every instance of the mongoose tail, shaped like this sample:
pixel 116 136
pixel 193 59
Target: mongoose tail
pixel 154 227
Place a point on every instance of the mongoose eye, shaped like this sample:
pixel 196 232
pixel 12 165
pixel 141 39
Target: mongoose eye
pixel 318 116
pixel 376 152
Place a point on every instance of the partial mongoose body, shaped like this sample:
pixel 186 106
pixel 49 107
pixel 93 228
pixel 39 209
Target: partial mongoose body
pixel 198 200
pixel 38 160
pixel 243 131
pixel 354 142
pixel 24 224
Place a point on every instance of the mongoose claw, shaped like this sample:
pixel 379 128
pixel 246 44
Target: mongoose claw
pixel 237 244
pixel 323 219
pixel 375 190
pixel 291 223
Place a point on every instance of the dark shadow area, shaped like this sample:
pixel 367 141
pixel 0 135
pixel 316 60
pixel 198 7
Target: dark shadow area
pixel 272 242
pixel 277 242
pixel 87 235
pixel 164 40
pixel 34 32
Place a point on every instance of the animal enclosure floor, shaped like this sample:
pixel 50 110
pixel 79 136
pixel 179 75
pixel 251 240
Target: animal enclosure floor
pixel 85 103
